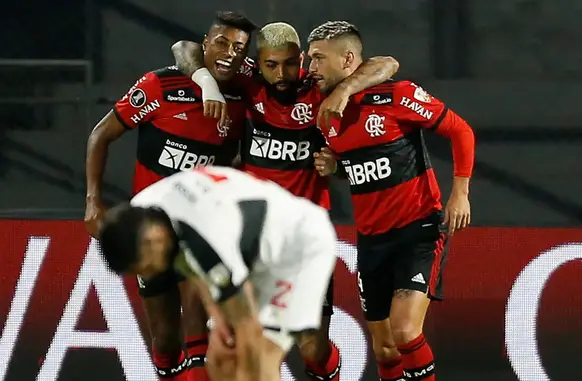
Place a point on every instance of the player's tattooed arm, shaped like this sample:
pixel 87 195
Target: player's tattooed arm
pixel 240 312
pixel 189 56
pixel 371 73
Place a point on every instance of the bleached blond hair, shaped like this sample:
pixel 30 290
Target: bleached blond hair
pixel 277 35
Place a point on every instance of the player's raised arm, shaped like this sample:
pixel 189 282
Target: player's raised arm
pixel 368 73
pixel 417 106
pixel 192 61
pixel 189 56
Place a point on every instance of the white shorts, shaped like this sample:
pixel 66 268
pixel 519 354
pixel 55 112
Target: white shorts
pixel 291 294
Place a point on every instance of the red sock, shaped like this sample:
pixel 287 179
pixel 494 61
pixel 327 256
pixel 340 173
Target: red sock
pixel 330 371
pixel 417 360
pixel 170 367
pixel 197 347
pixel 391 370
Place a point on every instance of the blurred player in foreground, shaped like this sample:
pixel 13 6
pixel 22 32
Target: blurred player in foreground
pixel 401 232
pixel 281 138
pixel 261 257
pixel 177 132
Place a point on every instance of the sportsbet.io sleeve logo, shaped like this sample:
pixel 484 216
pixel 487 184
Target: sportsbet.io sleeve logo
pixel 137 98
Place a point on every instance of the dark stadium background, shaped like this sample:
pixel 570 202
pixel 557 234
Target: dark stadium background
pixel 512 68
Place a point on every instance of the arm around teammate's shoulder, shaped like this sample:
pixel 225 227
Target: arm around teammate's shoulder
pixel 189 56
pixel 372 72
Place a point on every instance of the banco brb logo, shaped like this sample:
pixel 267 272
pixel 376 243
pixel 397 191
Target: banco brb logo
pixel 175 155
pixel 522 310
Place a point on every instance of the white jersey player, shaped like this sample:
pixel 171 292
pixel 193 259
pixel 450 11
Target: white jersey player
pixel 262 257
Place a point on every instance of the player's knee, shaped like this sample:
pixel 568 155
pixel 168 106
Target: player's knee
pixel 384 348
pixel 405 330
pixel 386 352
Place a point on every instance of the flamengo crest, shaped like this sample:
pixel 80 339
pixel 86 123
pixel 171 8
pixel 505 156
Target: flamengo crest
pixel 302 113
pixel 375 125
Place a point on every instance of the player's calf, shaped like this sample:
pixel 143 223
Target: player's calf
pixel 388 359
pixel 321 356
pixel 407 315
pixel 194 326
pixel 163 317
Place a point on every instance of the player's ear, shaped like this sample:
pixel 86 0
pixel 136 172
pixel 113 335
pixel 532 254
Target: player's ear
pixel 205 43
pixel 301 58
pixel 349 58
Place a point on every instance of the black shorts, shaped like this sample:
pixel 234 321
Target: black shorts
pixel 410 258
pixel 328 302
pixel 159 284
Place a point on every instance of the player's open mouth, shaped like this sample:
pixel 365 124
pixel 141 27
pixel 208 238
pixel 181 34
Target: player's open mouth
pixel 317 78
pixel 223 66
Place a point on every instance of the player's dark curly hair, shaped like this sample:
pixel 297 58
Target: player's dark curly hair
pixel 120 234
pixel 235 20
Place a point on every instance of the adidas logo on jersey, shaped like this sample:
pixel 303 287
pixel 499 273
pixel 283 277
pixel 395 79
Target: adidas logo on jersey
pixel 175 156
pixel 332 132
pixel 181 116
pixel 418 278
pixel 259 107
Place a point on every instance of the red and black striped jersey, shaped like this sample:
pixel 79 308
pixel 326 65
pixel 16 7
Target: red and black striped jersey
pixel 379 143
pixel 173 134
pixel 280 138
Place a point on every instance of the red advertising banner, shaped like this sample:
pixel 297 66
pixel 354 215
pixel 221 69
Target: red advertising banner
pixel 513 308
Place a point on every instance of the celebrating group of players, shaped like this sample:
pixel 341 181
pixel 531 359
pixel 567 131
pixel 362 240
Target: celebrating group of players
pixel 206 240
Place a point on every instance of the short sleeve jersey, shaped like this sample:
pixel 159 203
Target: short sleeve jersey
pixel 165 107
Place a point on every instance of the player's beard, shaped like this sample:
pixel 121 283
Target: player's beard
pixel 287 96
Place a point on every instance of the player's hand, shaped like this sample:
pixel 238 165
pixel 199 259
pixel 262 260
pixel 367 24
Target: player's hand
pixel 217 110
pixel 214 104
pixel 332 107
pixel 325 163
pixel 94 212
pixel 457 212
pixel 220 359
